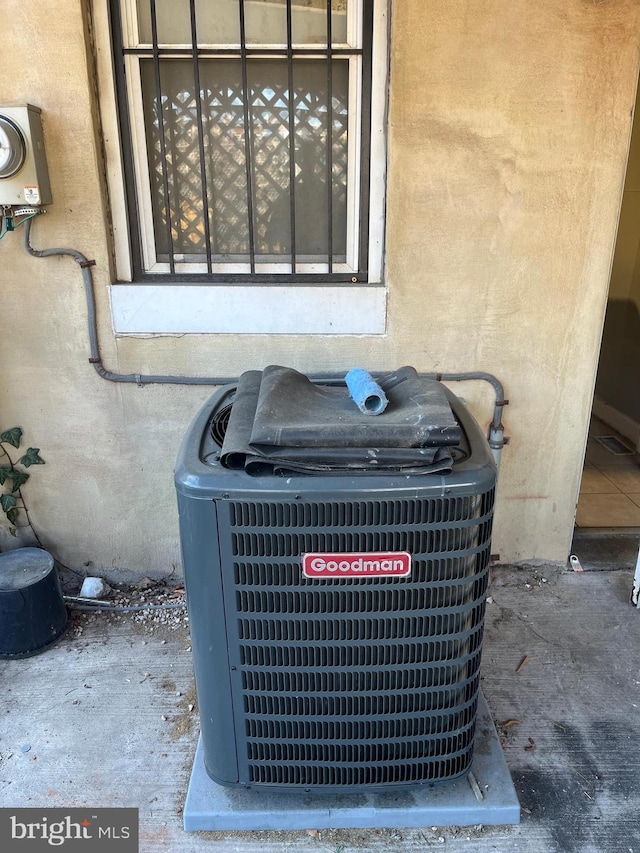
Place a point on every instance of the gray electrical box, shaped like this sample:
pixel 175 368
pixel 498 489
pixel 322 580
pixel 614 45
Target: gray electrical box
pixel 24 176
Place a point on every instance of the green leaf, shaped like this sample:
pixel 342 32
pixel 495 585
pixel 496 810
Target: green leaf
pixel 12 436
pixel 12 515
pixel 8 502
pixel 19 479
pixel 4 473
pixel 32 457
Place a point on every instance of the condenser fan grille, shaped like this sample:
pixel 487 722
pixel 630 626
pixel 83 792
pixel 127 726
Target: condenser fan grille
pixel 219 424
pixel 398 653
pixel 317 775
pixel 360 730
pixel 351 683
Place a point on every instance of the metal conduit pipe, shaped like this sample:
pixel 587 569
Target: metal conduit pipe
pixel 95 358
pixel 496 428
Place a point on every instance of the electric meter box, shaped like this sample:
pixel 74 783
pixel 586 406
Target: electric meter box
pixel 24 176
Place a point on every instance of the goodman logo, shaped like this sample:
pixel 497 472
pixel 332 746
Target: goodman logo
pixel 357 565
pixel 81 830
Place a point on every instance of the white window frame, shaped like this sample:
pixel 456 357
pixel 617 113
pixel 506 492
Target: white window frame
pixel 200 308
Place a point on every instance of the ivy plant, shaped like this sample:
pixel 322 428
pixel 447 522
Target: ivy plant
pixel 13 476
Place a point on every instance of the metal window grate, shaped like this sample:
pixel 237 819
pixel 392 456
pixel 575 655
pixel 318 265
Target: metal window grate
pixel 247 149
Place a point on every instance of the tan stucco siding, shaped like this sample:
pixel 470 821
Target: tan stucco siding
pixel 508 132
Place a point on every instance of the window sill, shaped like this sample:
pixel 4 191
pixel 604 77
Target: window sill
pixel 170 309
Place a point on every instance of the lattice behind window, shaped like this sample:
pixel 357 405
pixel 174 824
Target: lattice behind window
pixel 226 174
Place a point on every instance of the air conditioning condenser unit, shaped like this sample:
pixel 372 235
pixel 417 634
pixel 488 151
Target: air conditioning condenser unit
pixel 336 617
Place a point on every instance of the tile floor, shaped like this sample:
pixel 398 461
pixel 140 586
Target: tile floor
pixel 610 488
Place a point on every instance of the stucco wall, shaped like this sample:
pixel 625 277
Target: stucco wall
pixel 508 131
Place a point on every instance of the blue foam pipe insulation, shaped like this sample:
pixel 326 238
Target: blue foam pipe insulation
pixel 365 392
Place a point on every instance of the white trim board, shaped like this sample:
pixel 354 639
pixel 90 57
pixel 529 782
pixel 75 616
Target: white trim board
pixel 271 310
pixel 618 420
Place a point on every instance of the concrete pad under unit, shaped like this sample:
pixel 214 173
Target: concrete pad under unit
pixel 210 806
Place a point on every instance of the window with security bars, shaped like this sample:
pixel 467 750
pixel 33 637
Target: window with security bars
pixel 246 128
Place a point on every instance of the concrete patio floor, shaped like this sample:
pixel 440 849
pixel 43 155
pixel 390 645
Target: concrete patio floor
pixel 104 719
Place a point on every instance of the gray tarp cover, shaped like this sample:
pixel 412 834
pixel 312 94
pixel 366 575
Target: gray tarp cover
pixel 281 421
